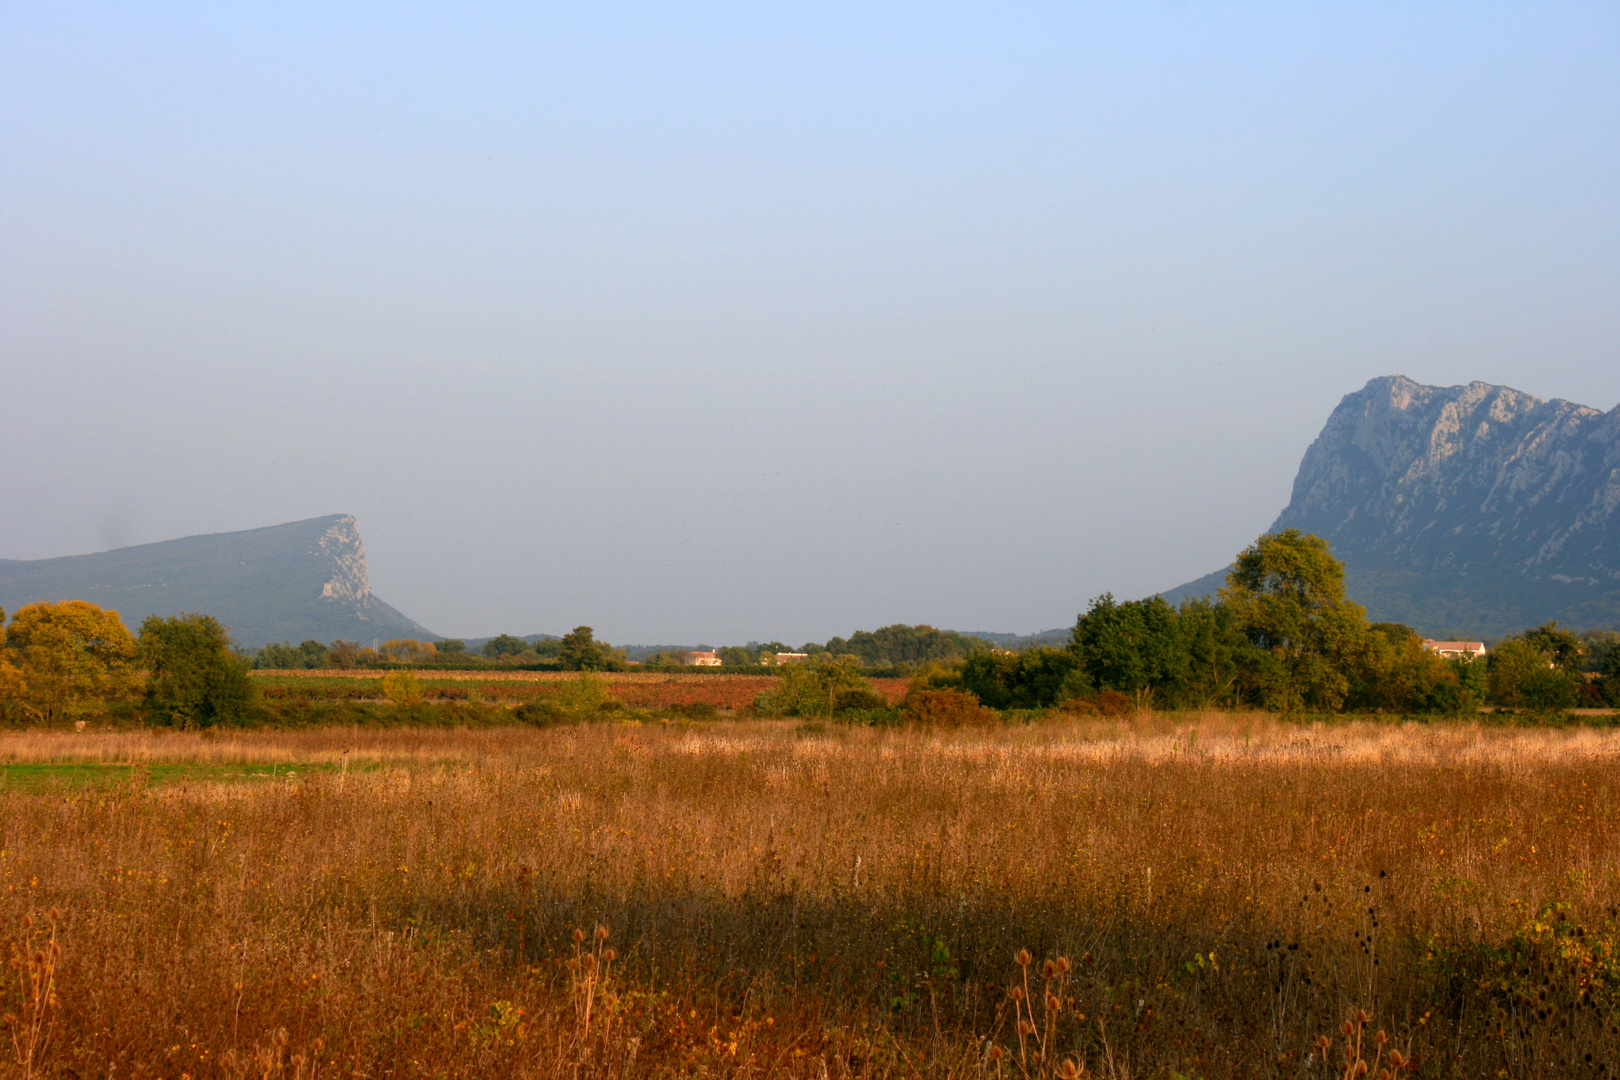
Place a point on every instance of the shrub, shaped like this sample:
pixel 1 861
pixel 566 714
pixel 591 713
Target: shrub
pixel 947 709
pixel 819 687
pixel 402 688
pixel 588 693
pixel 1102 703
pixel 857 698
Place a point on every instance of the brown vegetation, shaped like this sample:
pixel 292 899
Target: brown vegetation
pixel 1209 896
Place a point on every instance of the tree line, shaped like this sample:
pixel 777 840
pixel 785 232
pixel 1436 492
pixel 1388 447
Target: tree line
pixel 1282 635
pixel 578 650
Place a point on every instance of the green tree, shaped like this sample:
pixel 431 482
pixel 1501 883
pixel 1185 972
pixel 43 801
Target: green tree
pixel 1611 678
pixel 767 652
pixel 1393 672
pixel 738 656
pixel 582 652
pixel 1033 679
pixel 194 676
pixel 1522 676
pixel 1287 593
pixel 504 645
pixel 282 655
pixel 452 646
pixel 1561 647
pixel 66 656
pixel 1133 647
pixel 889 646
pixel 1217 654
pixel 312 655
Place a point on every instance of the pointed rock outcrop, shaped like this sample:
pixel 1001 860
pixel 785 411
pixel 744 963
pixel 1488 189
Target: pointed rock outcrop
pixel 293 582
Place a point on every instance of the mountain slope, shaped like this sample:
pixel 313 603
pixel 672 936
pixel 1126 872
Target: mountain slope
pixel 305 579
pixel 1465 508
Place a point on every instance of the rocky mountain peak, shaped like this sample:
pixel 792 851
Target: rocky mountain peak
pixel 1475 478
pixel 1475 510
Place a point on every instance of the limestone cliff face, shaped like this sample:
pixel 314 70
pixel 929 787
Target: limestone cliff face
pixel 1471 510
pixel 302 580
pixel 1475 480
pixel 341 544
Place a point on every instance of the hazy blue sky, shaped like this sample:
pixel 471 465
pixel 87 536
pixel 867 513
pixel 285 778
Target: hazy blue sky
pixel 709 322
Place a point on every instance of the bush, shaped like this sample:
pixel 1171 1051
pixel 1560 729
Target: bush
pixel 402 688
pixel 947 709
pixel 821 686
pixel 1102 703
pixel 584 698
pixel 857 698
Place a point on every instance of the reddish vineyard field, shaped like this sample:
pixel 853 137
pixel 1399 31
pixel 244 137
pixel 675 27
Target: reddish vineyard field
pixel 642 690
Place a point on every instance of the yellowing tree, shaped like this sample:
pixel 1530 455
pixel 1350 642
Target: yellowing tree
pixel 67 654
pixel 408 651
pixel 12 685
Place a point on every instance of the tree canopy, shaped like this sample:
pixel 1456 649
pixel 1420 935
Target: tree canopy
pixel 1287 593
pixel 61 656
pixel 901 644
pixel 581 651
pixel 194 676
pixel 504 645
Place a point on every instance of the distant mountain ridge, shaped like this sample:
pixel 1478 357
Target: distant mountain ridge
pixel 1477 508
pixel 292 582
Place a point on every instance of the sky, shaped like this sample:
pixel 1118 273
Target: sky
pixel 716 322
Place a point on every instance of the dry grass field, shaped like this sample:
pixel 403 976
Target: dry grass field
pixel 1215 893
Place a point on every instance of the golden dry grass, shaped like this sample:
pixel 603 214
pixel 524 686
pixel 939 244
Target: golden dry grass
pixel 794 902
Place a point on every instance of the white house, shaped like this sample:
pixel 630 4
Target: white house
pixel 703 659
pixel 1453 649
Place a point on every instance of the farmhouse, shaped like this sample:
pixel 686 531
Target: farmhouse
pixel 1453 649
pixel 703 659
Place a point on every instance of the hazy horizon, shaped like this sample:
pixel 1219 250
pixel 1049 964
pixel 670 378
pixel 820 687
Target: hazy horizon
pixel 717 324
